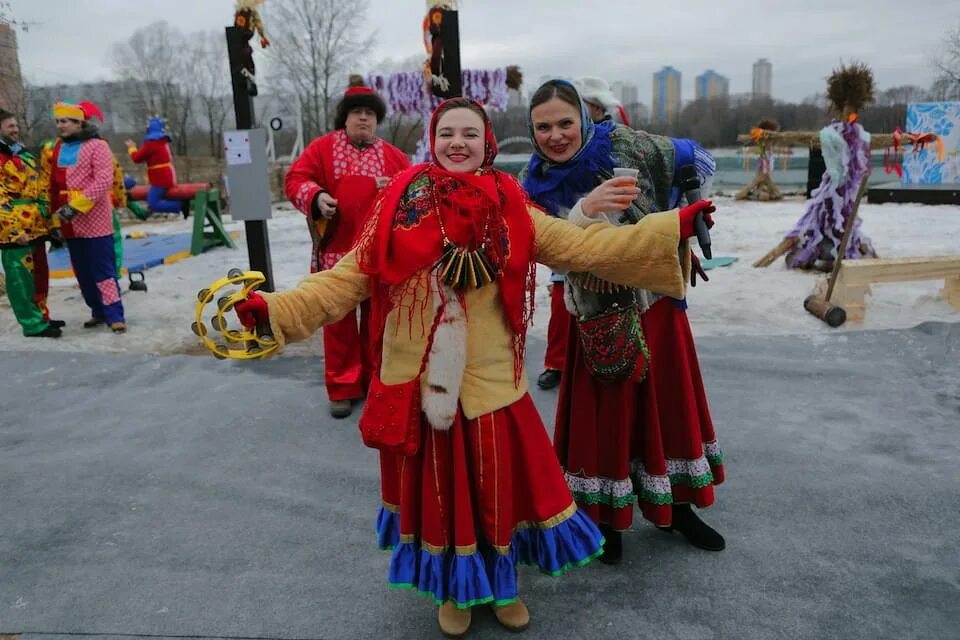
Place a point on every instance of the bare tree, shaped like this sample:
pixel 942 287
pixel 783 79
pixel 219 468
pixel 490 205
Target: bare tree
pixel 947 61
pixel 36 123
pixel 315 43
pixel 946 86
pixel 153 62
pixel 945 89
pixel 209 82
pixel 904 94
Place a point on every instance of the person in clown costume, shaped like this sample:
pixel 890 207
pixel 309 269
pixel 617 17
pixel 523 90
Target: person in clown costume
pixel 82 171
pixel 25 225
pixel 118 199
pixel 333 183
pixel 156 154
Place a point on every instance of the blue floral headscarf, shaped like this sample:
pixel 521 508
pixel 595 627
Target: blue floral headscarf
pixel 554 186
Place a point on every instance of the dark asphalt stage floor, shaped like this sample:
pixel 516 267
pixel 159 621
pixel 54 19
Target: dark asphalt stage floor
pixel 184 496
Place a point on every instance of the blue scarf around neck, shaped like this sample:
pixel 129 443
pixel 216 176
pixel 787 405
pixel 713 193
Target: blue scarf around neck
pixel 555 186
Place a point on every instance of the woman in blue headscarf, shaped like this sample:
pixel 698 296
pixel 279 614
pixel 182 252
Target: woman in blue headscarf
pixel 632 420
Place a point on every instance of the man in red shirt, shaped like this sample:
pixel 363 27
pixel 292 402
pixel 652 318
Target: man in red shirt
pixel 334 183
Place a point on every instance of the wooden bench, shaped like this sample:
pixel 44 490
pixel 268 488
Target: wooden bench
pixel 181 192
pixel 856 276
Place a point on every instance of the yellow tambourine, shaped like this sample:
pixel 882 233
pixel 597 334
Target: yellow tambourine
pixel 256 344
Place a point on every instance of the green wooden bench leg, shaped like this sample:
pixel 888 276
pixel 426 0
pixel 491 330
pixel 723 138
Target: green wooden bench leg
pixel 206 212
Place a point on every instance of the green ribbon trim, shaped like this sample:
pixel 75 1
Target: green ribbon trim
pixel 437 601
pixel 604 498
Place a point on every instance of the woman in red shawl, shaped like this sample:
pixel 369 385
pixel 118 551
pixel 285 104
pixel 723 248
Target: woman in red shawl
pixel 447 257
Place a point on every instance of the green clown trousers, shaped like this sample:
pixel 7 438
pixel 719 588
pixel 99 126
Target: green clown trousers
pixel 21 291
pixel 118 244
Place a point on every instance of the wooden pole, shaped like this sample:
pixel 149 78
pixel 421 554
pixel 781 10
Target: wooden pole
pixel 258 239
pixel 847 232
pixel 832 314
pixel 785 245
pixel 812 139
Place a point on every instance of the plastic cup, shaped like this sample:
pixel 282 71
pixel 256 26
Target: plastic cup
pixel 613 217
pixel 624 172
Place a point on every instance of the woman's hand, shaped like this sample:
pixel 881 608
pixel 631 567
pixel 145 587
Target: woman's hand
pixel 615 194
pixel 253 311
pixel 130 144
pixel 688 216
pixel 696 269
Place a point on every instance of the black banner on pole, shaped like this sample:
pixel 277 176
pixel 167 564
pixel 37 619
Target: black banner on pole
pixel 258 240
pixel 445 52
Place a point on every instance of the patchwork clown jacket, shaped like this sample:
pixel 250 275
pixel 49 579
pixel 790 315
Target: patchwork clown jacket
pixel 82 174
pixel 24 211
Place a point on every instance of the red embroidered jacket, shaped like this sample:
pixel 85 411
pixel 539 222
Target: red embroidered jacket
pixel 333 164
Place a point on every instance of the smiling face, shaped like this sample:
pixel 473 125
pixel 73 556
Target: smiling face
pixel 9 129
pixel 556 129
pixel 459 144
pixel 68 127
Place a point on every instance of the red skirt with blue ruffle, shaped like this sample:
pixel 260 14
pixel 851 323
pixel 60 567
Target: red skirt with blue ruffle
pixel 476 501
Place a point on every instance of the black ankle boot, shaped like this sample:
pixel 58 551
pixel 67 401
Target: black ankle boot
pixel 49 332
pixel 696 531
pixel 612 546
pixel 549 379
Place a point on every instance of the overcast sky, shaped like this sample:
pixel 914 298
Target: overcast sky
pixel 625 40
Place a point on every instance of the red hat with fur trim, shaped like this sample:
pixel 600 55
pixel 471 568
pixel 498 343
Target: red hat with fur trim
pixel 359 96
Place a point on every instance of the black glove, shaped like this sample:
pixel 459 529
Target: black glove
pixel 67 213
pixel 696 269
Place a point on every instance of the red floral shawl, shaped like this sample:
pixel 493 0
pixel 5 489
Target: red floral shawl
pixel 402 235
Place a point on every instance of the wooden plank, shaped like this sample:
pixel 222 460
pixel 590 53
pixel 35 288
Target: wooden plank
pixel 785 245
pixel 812 139
pixel 876 270
pixel 951 291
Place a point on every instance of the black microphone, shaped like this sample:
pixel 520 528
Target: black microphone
pixel 689 183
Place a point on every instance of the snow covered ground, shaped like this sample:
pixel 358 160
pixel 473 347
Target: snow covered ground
pixel 738 300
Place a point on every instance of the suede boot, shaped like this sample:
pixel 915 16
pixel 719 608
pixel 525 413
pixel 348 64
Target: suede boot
pixel 514 617
pixel 454 622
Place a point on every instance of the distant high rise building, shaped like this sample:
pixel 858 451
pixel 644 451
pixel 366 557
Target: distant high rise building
pixel 711 84
pixel 626 92
pixel 762 78
pixel 666 95
pixel 11 84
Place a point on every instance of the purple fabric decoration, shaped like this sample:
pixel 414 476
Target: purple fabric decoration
pixel 404 94
pixel 832 203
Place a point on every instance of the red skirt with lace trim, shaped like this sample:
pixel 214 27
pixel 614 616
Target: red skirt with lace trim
pixel 651 443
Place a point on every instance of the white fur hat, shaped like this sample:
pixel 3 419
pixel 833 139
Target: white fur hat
pixel 597 91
